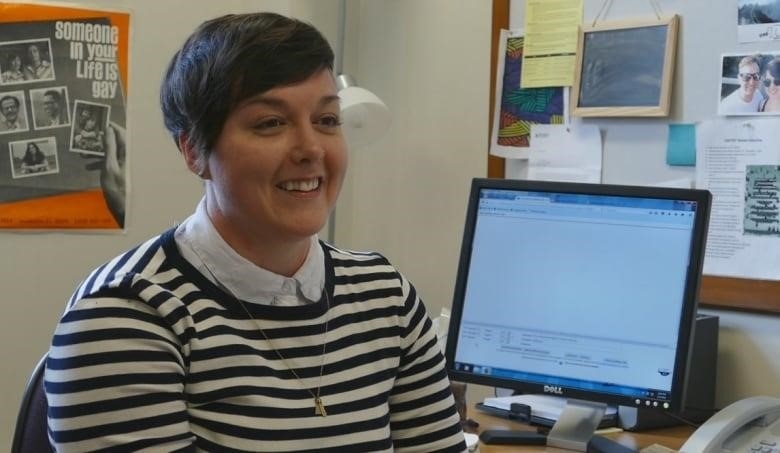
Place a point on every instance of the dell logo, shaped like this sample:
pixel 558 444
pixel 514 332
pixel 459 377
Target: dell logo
pixel 553 389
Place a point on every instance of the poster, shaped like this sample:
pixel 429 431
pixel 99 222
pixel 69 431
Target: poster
pixel 740 164
pixel 516 108
pixel 63 117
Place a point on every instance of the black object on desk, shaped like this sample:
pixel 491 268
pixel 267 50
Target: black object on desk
pixel 512 437
pixel 519 412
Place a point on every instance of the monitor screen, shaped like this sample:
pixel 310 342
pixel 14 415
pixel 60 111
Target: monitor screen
pixel 585 291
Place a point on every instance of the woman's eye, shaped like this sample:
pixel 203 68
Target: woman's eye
pixel 330 121
pixel 268 124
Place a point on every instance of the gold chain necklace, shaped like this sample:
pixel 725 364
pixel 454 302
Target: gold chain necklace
pixel 319 406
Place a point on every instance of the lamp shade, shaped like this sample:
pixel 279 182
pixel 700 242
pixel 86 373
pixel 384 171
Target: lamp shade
pixel 364 116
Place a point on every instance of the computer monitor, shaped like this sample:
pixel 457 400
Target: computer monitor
pixel 585 291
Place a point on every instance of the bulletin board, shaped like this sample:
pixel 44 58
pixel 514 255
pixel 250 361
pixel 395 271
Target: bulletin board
pixel 634 149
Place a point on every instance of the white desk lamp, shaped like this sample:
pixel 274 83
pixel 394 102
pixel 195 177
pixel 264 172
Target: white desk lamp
pixel 364 116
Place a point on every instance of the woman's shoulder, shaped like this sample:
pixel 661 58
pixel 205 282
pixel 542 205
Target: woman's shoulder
pixel 762 104
pixel 141 262
pixel 353 257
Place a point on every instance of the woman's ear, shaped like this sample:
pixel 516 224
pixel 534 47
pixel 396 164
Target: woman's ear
pixel 195 162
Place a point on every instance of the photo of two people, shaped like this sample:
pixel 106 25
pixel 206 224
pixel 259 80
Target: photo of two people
pixel 750 85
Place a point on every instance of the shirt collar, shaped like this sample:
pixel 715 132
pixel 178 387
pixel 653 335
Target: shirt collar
pixel 203 247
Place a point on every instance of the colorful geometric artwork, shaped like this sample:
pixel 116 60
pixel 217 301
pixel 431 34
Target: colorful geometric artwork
pixel 522 107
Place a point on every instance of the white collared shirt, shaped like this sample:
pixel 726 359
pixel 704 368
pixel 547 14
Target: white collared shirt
pixel 201 245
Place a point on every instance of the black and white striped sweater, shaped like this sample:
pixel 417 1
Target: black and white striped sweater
pixel 150 355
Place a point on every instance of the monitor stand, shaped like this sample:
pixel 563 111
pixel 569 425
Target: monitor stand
pixel 574 430
pixel 576 425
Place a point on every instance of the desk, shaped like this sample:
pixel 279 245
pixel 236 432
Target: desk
pixel 668 437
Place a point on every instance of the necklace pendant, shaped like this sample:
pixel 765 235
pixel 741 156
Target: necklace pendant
pixel 319 408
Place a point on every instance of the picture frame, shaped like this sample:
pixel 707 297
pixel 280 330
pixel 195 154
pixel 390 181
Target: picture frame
pixel 625 68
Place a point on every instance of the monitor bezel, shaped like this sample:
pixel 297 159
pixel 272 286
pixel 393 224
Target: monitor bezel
pixel 689 307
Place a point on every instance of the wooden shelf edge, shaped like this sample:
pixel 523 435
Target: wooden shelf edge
pixel 740 294
pixel 496 165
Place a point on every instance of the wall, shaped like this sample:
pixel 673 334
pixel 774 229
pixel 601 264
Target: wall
pixel 634 152
pixel 41 270
pixel 406 194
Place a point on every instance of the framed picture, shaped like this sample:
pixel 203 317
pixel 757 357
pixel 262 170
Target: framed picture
pixel 625 68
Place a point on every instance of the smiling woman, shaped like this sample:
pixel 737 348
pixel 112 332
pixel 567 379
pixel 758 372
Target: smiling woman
pixel 771 83
pixel 239 329
pixel 278 166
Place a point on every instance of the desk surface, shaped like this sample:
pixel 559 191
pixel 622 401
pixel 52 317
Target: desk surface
pixel 668 437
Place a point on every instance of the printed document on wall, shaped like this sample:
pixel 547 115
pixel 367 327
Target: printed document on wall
pixel 63 117
pixel 565 153
pixel 739 163
pixel 551 42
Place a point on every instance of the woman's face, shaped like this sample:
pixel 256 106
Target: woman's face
pixel 278 165
pixel 772 90
pixel 16 63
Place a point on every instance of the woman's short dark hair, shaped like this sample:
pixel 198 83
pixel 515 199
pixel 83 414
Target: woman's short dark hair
pixel 231 58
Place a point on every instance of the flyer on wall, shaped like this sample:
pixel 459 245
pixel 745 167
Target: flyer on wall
pixel 63 117
pixel 739 163
pixel 516 108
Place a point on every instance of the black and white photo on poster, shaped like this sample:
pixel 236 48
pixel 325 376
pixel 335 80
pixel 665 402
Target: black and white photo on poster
pixel 88 132
pixel 26 61
pixel 33 157
pixel 50 107
pixel 13 112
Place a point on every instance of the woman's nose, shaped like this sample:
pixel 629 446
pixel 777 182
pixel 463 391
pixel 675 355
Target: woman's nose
pixel 309 145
